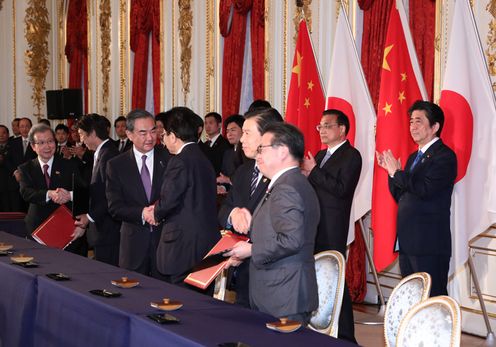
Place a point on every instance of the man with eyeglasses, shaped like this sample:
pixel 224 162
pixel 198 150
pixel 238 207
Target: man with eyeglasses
pixel 49 181
pixel 134 179
pixel 248 188
pixel 282 229
pixel 334 174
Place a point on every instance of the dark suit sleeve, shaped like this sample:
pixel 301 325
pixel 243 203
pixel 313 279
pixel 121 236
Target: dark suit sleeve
pixel 287 218
pixel 28 189
pixel 342 182
pixel 174 186
pixel 118 207
pixel 229 202
pixel 440 173
pixel 98 209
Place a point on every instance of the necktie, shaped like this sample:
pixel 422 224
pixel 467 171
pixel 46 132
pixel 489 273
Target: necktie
pixel 145 178
pixel 121 146
pixel 417 159
pixel 254 180
pixel 326 158
pixel 47 177
pixel 208 143
pixel 24 146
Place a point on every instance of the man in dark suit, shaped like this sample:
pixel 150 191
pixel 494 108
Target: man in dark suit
pixel 49 181
pixel 4 172
pixel 334 174
pixel 216 144
pixel 248 187
pixel 187 200
pixel 122 143
pixel 103 230
pixel 134 179
pixel 19 153
pixel 283 228
pixel 62 137
pixel 15 128
pixel 423 193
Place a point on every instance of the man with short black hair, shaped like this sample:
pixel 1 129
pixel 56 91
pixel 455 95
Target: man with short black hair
pixel 334 174
pixel 62 135
pixel 15 128
pixel 19 153
pixel 123 143
pixel 187 200
pixel 103 230
pixel 423 192
pixel 134 179
pixel 248 188
pixel 215 145
pixel 282 230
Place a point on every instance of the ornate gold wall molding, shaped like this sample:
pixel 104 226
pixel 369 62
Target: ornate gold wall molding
pixel 162 63
pixel 185 27
pixel 105 42
pixel 37 29
pixel 1 4
pixel 285 56
pixel 302 10
pixel 491 40
pixel 14 65
pixel 61 43
pixel 123 47
pixel 209 70
pixel 173 50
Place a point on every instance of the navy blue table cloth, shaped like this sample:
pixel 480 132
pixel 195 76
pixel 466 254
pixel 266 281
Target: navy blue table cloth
pixel 38 311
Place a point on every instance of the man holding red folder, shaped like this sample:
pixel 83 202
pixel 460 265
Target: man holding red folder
pixel 49 181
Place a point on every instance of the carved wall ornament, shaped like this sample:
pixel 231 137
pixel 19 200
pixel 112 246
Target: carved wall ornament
pixel 185 25
pixel 491 40
pixel 1 4
pixel 105 41
pixel 36 31
pixel 302 10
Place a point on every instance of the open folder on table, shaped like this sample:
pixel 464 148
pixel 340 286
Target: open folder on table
pixel 214 262
pixel 56 230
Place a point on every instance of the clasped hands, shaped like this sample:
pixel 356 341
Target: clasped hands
pixel 387 161
pixel 149 215
pixel 308 164
pixel 241 221
pixel 59 196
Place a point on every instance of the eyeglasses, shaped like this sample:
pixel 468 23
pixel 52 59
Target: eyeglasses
pixel 326 126
pixel 260 148
pixel 42 143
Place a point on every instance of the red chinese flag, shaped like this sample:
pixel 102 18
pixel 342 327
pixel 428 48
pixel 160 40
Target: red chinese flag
pixel 401 85
pixel 306 98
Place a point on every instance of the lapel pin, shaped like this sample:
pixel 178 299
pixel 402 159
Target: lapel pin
pixel 57 172
pixel 264 180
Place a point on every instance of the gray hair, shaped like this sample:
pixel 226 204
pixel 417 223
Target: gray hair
pixel 39 128
pixel 137 114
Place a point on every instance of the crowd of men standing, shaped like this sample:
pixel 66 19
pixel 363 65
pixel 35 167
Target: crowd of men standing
pixel 149 201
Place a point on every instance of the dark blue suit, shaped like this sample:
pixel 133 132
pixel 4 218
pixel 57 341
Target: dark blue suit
pixel 423 195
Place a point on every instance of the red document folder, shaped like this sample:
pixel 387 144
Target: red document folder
pixel 56 230
pixel 203 278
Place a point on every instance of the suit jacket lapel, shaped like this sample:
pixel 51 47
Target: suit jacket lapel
pixel 56 173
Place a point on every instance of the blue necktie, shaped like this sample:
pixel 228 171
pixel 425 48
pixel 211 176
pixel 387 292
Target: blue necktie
pixel 417 159
pixel 254 180
pixel 326 158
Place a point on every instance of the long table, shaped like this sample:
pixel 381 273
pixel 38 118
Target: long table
pixel 38 311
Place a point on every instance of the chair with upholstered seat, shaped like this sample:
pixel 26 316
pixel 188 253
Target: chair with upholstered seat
pixel 409 292
pixel 330 270
pixel 434 322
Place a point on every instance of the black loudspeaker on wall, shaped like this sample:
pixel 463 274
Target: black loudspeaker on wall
pixel 64 103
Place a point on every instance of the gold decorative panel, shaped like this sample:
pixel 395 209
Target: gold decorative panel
pixel 185 25
pixel 37 29
pixel 105 15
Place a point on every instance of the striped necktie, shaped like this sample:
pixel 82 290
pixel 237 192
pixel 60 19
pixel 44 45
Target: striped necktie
pixel 254 180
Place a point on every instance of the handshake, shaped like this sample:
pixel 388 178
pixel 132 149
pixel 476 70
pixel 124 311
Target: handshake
pixel 59 196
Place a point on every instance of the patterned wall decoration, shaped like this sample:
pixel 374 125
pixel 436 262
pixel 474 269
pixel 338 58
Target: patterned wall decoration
pixel 491 40
pixel 185 25
pixel 105 42
pixel 302 10
pixel 36 31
